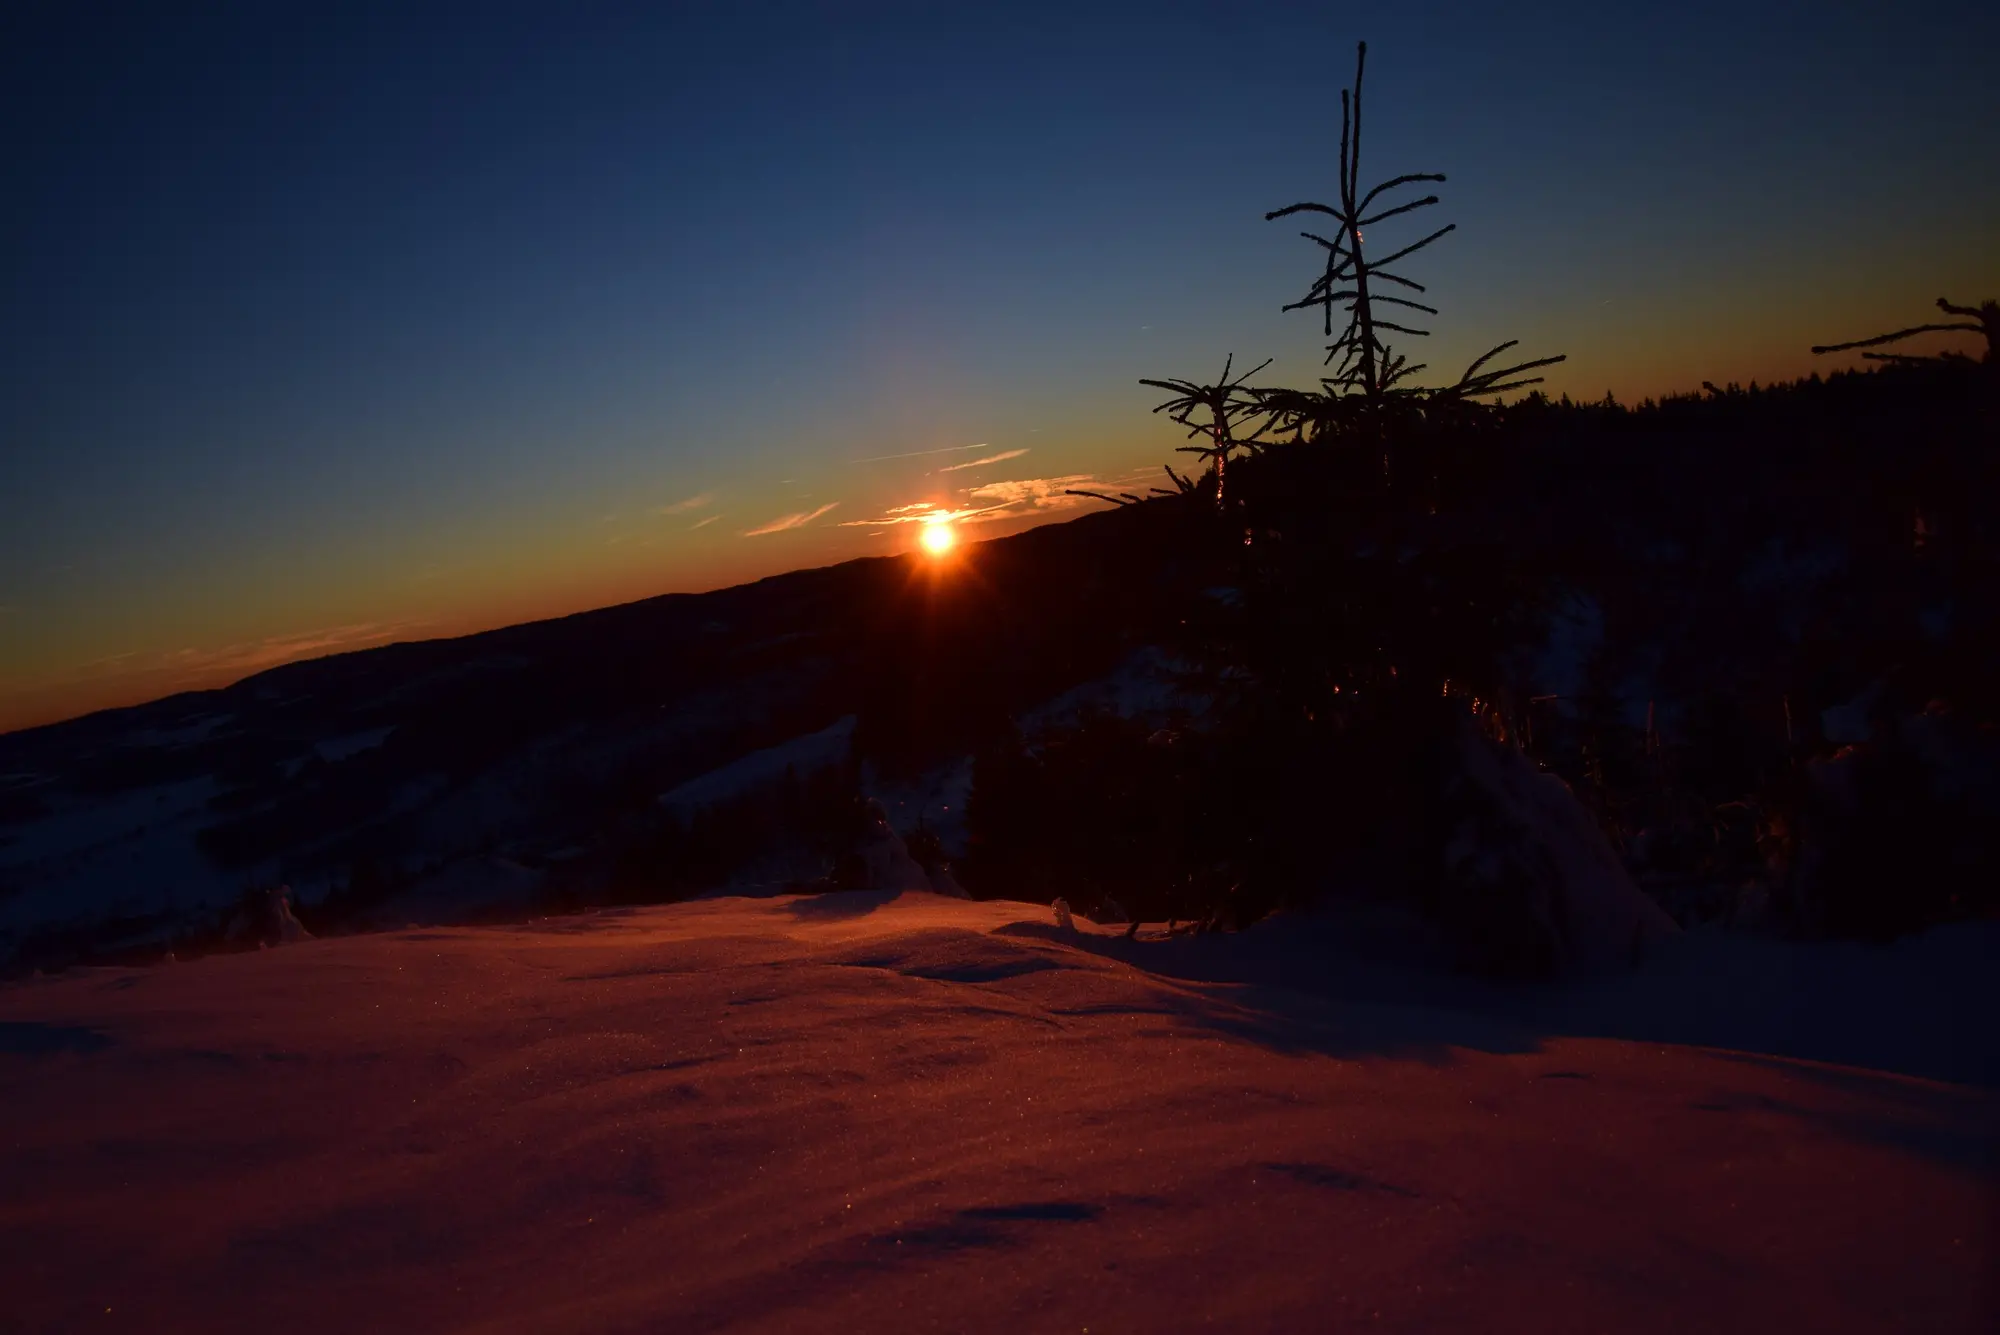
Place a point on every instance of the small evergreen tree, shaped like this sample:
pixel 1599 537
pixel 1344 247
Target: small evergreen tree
pixel 1371 396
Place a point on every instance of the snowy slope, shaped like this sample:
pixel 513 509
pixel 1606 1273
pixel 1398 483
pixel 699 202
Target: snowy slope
pixel 800 755
pixel 124 855
pixel 863 1113
pixel 417 764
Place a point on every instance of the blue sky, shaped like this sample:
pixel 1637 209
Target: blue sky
pixel 330 327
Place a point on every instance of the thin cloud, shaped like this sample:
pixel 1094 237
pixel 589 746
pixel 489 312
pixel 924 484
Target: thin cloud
pixel 242 659
pixel 990 501
pixel 135 675
pixel 785 522
pixel 918 454
pixel 704 523
pixel 1036 493
pixel 926 513
pixel 691 503
pixel 999 458
pixel 1144 479
pixel 284 648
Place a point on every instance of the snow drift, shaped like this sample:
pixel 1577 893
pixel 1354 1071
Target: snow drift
pixel 869 1111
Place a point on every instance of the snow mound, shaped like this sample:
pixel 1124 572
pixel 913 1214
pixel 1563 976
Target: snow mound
pixel 890 866
pixel 1527 867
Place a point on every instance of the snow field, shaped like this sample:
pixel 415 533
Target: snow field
pixel 881 1112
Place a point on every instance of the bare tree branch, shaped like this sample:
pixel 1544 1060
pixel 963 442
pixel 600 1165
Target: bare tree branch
pixel 1899 334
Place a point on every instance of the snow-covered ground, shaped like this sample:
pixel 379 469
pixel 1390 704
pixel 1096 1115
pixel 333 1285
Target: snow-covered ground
pixel 1149 684
pixel 125 855
pixel 859 1112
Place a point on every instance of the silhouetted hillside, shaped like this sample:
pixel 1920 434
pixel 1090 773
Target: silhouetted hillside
pixel 1665 604
pixel 553 737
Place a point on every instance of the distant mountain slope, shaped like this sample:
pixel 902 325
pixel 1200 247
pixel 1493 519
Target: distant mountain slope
pixel 531 739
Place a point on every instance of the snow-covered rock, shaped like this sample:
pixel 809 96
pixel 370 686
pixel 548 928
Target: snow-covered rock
pixel 284 923
pixel 1531 885
pixel 267 919
pixel 944 883
pixel 890 866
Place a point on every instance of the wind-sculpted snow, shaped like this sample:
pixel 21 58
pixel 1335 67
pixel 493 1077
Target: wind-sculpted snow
pixel 878 1112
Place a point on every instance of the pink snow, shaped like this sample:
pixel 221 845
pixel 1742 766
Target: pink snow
pixel 859 1112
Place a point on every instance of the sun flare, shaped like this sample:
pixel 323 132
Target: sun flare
pixel 937 537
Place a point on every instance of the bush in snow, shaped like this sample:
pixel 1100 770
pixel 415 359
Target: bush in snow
pixel 1526 884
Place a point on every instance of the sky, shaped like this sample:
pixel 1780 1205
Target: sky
pixel 331 326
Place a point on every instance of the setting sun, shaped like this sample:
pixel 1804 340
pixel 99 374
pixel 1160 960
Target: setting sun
pixel 938 538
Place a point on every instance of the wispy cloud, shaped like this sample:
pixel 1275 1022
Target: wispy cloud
pixel 926 513
pixel 704 523
pixel 691 503
pixel 989 502
pixel 784 522
pixel 175 668
pixel 918 454
pixel 130 677
pixel 1001 457
pixel 1035 493
pixel 256 655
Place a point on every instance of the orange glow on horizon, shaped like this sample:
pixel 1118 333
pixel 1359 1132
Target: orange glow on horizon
pixel 937 537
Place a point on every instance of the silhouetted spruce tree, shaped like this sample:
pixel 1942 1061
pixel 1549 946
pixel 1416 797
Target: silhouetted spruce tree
pixel 1235 421
pixel 1370 392
pixel 1371 397
pixel 1348 621
pixel 1228 417
pixel 1356 584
